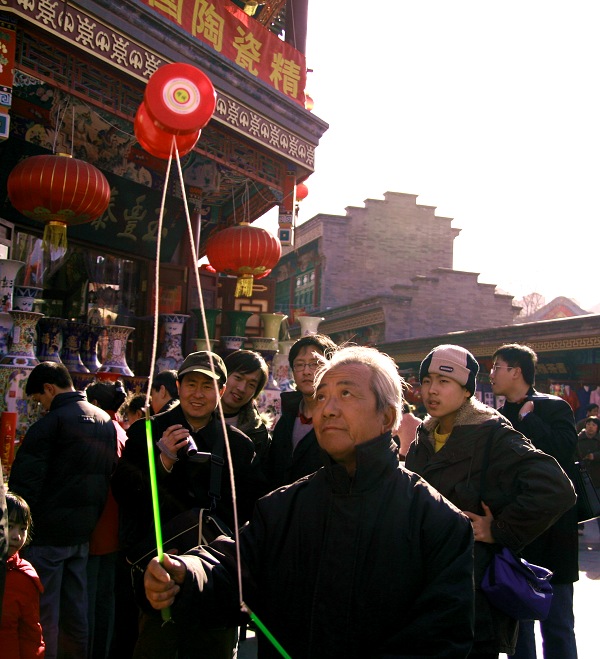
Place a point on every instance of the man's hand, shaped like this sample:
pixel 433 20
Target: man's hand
pixel 482 525
pixel 161 581
pixel 526 409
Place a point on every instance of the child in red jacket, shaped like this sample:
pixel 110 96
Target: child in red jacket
pixel 20 629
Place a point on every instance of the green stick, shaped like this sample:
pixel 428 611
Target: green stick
pixel 274 642
pixel 165 613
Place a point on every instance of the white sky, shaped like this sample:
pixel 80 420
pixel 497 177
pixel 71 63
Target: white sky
pixel 489 111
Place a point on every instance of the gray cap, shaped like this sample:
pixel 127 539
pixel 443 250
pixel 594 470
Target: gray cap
pixel 200 362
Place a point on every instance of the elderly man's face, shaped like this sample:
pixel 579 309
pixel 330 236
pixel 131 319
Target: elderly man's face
pixel 345 414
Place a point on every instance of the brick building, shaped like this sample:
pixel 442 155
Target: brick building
pixel 384 273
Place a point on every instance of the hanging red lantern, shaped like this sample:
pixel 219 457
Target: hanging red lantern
pixel 301 192
pixel 60 191
pixel 245 251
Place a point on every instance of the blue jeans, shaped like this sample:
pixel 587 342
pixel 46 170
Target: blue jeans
pixel 558 630
pixel 64 602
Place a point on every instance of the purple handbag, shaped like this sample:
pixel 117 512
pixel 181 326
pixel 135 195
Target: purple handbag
pixel 519 589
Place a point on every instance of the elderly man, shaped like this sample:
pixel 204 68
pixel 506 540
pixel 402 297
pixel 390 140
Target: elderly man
pixel 360 559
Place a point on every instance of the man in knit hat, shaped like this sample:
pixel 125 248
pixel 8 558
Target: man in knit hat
pixel 510 501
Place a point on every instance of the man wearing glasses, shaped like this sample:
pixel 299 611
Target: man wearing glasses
pixel 547 421
pixel 294 451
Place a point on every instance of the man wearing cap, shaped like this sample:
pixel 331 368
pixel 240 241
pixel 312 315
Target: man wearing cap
pixel 185 479
pixel 510 491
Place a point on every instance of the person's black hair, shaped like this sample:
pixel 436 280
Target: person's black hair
pixel 168 379
pixel 515 354
pixel 320 341
pixel 48 373
pixel 135 403
pixel 19 512
pixel 108 396
pixel 590 407
pixel 248 361
pixel 407 407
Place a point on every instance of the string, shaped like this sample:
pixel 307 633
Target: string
pixel 236 532
pixel 59 123
pixel 166 612
pixel 212 368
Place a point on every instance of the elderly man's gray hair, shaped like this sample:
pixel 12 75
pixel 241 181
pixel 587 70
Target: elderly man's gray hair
pixel 386 383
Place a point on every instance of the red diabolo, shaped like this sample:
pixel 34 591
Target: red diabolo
pixel 158 142
pixel 245 251
pixel 180 98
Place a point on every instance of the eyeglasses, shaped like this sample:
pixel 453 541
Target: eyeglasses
pixel 497 368
pixel 298 367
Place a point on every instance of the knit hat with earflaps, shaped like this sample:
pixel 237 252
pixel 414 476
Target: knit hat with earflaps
pixel 453 361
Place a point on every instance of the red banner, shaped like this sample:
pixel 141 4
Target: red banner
pixel 8 38
pixel 8 432
pixel 231 32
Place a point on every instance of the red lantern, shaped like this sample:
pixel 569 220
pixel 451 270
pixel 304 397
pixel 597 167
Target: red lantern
pixel 301 192
pixel 245 251
pixel 60 191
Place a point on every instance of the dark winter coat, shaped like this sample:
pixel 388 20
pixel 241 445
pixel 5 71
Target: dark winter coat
pixel 62 469
pixel 585 446
pixel 285 464
pixel 551 428
pixel 187 485
pixel 378 565
pixel 525 489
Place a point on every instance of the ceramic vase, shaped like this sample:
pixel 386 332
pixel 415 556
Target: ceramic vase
pixel 25 296
pixel 237 321
pixel 272 324
pixel 50 339
pixel 24 339
pixel 8 271
pixel 6 325
pixel 70 352
pixel 309 324
pixel 200 344
pixel 89 347
pixel 260 343
pixel 211 316
pixel 171 355
pixel 232 342
pixel 281 366
pixel 267 346
pixel 116 351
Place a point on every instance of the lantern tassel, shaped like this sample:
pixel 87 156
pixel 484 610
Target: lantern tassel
pixel 244 286
pixel 55 235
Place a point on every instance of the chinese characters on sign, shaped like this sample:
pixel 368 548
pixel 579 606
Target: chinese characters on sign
pixel 241 39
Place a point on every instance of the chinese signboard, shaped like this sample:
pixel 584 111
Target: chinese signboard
pixel 231 32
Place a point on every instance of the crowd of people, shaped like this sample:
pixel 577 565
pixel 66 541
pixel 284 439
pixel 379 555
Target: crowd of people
pixel 353 528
